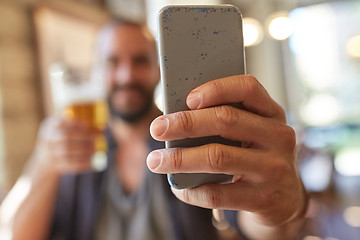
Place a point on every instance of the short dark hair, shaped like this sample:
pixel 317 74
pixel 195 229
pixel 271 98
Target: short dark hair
pixel 115 21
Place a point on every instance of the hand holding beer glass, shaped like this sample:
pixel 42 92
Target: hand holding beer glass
pixel 80 94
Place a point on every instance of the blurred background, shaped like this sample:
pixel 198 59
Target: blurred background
pixel 305 52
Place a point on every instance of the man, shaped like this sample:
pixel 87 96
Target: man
pixel 129 202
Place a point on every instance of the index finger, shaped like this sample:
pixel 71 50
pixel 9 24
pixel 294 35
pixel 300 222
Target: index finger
pixel 244 89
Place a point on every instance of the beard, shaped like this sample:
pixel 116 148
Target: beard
pixel 135 114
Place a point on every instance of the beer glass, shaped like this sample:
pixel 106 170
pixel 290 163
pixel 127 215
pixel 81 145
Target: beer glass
pixel 80 94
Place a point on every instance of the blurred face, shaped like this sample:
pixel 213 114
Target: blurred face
pixel 132 71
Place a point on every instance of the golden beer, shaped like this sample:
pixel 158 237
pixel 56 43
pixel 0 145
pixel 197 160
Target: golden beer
pixel 79 94
pixel 92 114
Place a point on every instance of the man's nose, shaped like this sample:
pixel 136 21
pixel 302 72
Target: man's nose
pixel 125 73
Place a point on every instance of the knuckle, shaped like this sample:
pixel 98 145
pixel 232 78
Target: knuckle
pixel 280 112
pixel 211 198
pixel 216 86
pixel 226 115
pixel 251 84
pixel 278 170
pixel 217 156
pixel 268 198
pixel 186 196
pixel 288 137
pixel 184 120
pixel 177 158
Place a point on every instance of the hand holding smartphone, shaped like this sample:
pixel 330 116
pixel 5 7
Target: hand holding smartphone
pixel 197 44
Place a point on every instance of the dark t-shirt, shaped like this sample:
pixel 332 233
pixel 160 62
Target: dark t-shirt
pixel 80 198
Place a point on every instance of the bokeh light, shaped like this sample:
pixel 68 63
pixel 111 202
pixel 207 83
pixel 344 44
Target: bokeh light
pixel 320 110
pixel 280 26
pixel 347 162
pixel 353 46
pixel 253 33
pixel 352 216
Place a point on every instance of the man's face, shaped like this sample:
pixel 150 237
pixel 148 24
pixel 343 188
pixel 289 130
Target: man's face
pixel 132 71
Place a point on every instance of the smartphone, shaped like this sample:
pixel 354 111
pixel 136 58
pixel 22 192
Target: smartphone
pixel 197 44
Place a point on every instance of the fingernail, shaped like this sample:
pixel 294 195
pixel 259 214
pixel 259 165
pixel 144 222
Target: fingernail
pixel 154 159
pixel 159 127
pixel 194 100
